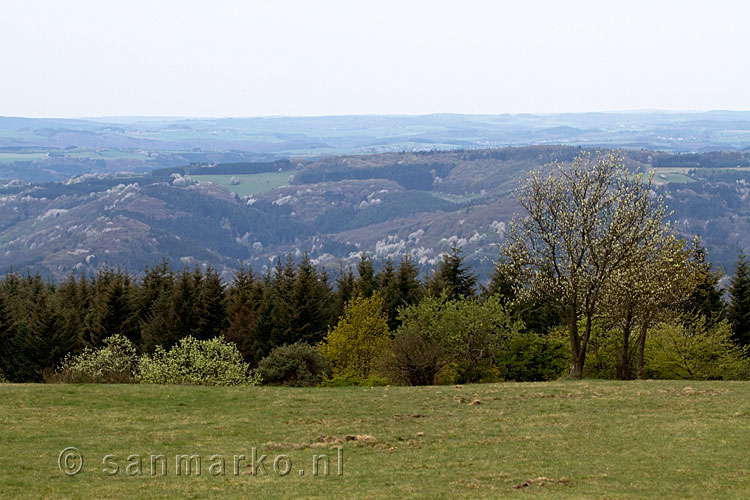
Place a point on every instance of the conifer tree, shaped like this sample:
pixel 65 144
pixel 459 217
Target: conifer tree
pixel 7 334
pixel 410 289
pixel 112 310
pixel 388 290
pixel 310 306
pixel 739 309
pixel 243 311
pixel 366 283
pixel 213 314
pixel 346 285
pixel 453 277
pixel 707 298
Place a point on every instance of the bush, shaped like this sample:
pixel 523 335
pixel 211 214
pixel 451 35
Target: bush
pixel 413 359
pixel 469 333
pixel 700 351
pixel 530 357
pixel 355 344
pixel 113 363
pixel 297 365
pixel 198 362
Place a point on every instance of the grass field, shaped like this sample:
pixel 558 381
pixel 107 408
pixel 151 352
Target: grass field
pixel 582 440
pixel 249 183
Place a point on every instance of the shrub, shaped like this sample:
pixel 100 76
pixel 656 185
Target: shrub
pixel 112 363
pixel 530 357
pixel 355 344
pixel 700 351
pixel 199 362
pixel 413 359
pixel 470 333
pixel 298 365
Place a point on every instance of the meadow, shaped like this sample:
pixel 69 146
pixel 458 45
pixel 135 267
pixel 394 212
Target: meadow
pixel 250 184
pixel 567 439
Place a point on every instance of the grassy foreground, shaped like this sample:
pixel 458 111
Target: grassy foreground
pixel 587 439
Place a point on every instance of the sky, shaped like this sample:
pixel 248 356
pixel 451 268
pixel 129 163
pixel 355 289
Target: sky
pixel 322 57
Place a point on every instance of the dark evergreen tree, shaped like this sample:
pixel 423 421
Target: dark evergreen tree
pixel 43 343
pixel 112 310
pixel 504 282
pixel 706 300
pixel 7 336
pixel 366 283
pixel 244 299
pixel 410 289
pixel 311 311
pixel 213 314
pixel 186 304
pixel 453 277
pixel 388 289
pixel 346 286
pixel 739 309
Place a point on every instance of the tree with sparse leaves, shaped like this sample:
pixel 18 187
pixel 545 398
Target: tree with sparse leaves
pixel 582 223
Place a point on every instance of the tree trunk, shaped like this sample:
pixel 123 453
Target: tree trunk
pixel 642 347
pixel 575 343
pixel 623 359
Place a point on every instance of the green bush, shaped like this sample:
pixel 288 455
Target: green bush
pixel 355 345
pixel 413 359
pixel 530 357
pixel 112 363
pixel 469 334
pixel 298 365
pixel 198 362
pixel 699 351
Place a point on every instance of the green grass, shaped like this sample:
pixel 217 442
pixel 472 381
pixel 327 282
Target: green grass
pixel 676 175
pixel 582 440
pixel 11 157
pixel 249 183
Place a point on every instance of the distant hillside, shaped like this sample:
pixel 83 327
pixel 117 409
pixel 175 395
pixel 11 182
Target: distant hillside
pixel 388 205
pixel 42 150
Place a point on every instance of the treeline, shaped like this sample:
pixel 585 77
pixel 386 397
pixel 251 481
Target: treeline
pixel 419 176
pixel 713 159
pixel 296 323
pixel 40 322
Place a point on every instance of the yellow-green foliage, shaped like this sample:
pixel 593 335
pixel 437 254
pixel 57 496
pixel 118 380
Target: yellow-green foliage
pixel 700 351
pixel 197 362
pixel 112 363
pixel 355 344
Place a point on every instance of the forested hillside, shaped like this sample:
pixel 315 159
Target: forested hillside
pixel 390 205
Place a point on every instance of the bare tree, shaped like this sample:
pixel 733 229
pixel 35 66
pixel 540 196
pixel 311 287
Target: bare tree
pixel 583 224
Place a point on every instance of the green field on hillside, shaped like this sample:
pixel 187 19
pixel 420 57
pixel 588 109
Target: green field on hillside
pixel 568 439
pixel 249 183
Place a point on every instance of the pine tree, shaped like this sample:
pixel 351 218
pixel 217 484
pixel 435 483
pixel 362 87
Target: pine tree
pixel 388 290
pixel 346 285
pixel 366 283
pixel 310 306
pixel 243 311
pixel 43 343
pixel 706 299
pixel 739 310
pixel 410 288
pixel 112 310
pixel 453 277
pixel 7 335
pixel 213 314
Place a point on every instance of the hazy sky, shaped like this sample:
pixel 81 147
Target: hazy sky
pixel 224 58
